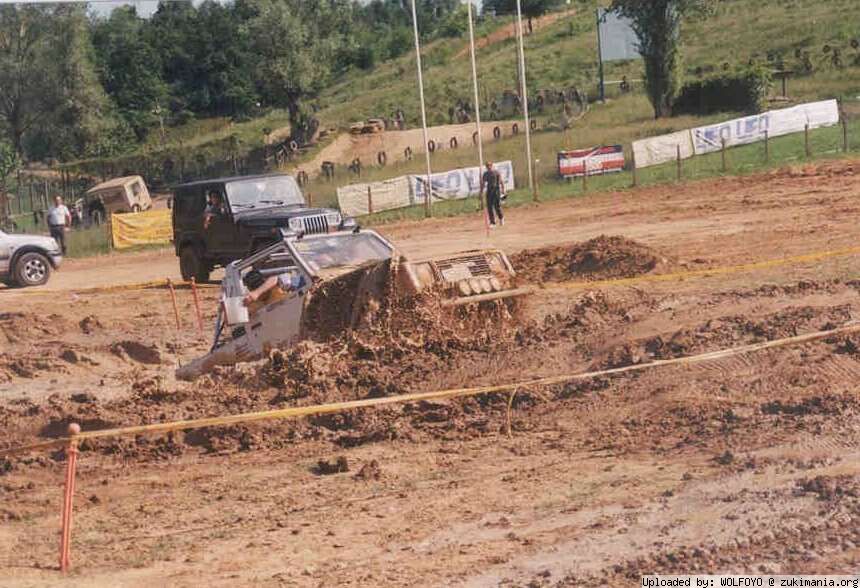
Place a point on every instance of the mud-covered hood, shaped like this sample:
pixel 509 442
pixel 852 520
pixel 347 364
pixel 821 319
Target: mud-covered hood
pixel 276 216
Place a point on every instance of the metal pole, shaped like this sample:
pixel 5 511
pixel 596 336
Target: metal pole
pixel 475 88
pixel 428 185
pixel 602 88
pixel 525 97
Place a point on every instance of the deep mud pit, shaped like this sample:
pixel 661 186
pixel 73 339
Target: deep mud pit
pixel 746 464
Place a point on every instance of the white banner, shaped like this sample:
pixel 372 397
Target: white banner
pixel 394 193
pixel 657 150
pixel 740 131
pixel 460 183
pixel 751 129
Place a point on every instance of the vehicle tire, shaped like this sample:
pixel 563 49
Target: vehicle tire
pixel 407 154
pixel 192 266
pixel 382 158
pixel 497 133
pixel 32 269
pixel 453 143
pixel 533 124
pixel 475 138
pixel 515 129
pixel 431 145
pixel 136 208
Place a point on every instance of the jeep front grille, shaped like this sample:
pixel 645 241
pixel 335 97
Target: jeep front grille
pixel 315 224
pixel 460 268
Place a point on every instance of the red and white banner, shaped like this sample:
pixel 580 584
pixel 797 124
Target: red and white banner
pixel 592 161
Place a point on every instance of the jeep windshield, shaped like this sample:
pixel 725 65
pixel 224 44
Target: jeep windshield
pixel 264 193
pixel 335 253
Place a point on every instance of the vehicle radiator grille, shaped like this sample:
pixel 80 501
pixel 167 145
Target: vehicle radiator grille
pixel 315 224
pixel 458 268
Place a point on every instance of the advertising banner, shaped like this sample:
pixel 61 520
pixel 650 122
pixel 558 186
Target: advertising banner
pixel 459 183
pixel 394 193
pixel 591 161
pixel 740 131
pixel 141 228
pixel 750 129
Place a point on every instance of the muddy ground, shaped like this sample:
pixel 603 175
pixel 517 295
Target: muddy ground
pixel 739 465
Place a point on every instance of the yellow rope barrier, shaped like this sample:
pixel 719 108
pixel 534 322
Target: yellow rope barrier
pixel 300 411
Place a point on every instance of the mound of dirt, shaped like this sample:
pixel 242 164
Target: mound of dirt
pixel 600 258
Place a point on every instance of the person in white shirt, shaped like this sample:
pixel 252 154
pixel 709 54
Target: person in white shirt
pixel 59 218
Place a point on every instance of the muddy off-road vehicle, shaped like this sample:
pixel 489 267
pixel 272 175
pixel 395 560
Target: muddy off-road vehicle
pixel 336 278
pixel 27 260
pixel 255 212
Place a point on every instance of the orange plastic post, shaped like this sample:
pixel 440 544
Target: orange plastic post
pixel 175 307
pixel 66 525
pixel 197 306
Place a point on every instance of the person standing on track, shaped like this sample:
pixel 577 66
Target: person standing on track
pixel 59 218
pixel 495 189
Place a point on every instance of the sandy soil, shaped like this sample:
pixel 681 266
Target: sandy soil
pixel 743 465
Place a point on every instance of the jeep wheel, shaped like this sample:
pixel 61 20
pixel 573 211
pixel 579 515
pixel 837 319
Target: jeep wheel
pixel 32 269
pixel 191 266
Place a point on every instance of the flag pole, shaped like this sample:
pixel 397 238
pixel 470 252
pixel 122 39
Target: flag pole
pixel 525 96
pixel 428 186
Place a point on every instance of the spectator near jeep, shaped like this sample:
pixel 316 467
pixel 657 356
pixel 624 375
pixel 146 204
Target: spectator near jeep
pixel 222 220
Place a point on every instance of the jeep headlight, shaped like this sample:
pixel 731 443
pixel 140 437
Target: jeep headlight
pixel 296 224
pixel 333 218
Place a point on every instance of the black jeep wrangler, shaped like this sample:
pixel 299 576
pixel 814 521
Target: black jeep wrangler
pixel 244 215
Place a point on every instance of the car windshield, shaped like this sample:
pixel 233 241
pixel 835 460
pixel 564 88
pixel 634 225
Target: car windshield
pixel 342 251
pixel 264 192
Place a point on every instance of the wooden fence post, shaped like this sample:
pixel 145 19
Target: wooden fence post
pixel 723 154
pixel 806 146
pixel 766 147
pixel 635 172
pixel 678 149
pixel 844 134
pixel 369 200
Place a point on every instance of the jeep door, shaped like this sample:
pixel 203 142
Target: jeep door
pixel 188 206
pixel 222 235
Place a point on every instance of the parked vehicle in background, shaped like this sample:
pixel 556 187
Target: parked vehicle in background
pixel 127 194
pixel 27 260
pixel 256 211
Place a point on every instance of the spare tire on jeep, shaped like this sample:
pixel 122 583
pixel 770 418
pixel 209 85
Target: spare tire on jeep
pixel 191 265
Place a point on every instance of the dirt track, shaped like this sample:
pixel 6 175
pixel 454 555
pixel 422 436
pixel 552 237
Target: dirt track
pixel 743 465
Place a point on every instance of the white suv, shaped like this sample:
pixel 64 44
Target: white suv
pixel 27 260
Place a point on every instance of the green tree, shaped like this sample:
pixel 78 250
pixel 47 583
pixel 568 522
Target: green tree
pixel 9 163
pixel 130 69
pixel 296 44
pixel 657 24
pixel 24 39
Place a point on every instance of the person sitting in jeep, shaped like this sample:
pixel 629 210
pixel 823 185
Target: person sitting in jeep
pixel 214 207
pixel 263 292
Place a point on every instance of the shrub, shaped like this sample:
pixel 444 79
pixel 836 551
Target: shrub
pixel 743 90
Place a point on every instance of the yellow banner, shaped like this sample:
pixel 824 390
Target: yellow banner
pixel 141 228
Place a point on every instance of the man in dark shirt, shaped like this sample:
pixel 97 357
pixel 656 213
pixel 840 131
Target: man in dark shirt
pixel 495 188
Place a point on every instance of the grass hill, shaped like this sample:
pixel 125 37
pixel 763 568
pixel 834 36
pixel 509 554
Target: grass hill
pixel 562 53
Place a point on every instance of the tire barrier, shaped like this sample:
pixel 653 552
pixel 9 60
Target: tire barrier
pixel 533 124
pixel 382 158
pixel 431 145
pixel 497 132
pixel 453 143
pixel 407 154
pixel 475 138
pixel 328 169
pixel 515 129
pixel 302 178
pixel 355 166
pixel 294 146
